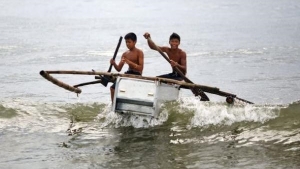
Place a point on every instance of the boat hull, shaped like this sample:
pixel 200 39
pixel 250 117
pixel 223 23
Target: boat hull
pixel 142 97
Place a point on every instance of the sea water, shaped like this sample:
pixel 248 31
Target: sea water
pixel 247 48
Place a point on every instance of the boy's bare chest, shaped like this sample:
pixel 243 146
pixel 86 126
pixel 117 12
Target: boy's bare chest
pixel 131 56
pixel 174 56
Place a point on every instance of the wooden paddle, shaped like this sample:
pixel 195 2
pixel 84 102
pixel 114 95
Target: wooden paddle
pixel 105 79
pixel 197 91
pixel 116 52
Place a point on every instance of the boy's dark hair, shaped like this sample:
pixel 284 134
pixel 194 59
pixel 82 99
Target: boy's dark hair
pixel 131 36
pixel 174 36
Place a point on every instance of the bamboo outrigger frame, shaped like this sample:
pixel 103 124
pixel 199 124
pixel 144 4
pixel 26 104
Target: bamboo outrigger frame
pixel 113 76
pixel 105 77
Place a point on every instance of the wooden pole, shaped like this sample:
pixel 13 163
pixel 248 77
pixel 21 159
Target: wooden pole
pixel 59 83
pixel 208 89
pixel 88 83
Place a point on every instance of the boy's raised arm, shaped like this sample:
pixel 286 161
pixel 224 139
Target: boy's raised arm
pixel 150 43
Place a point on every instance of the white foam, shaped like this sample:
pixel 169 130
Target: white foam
pixel 215 113
pixel 33 117
pixel 109 118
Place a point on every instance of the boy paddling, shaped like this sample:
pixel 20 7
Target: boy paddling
pixel 177 59
pixel 176 55
pixel 133 57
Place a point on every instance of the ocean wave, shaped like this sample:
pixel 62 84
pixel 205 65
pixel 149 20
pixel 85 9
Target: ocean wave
pixel 214 121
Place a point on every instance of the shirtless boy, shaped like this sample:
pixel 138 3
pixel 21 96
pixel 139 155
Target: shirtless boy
pixel 176 55
pixel 133 57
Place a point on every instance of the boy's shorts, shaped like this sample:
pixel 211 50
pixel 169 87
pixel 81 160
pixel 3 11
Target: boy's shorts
pixel 173 75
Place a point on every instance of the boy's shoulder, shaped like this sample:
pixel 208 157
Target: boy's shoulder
pixel 138 49
pixel 181 50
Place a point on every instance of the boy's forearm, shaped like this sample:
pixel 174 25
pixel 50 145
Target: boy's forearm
pixel 151 44
pixel 117 67
pixel 182 69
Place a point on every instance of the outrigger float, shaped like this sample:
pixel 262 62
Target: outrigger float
pixel 141 95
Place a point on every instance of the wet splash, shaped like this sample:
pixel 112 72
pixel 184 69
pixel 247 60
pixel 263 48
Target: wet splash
pixel 243 125
pixel 185 118
pixel 219 113
pixel 108 118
